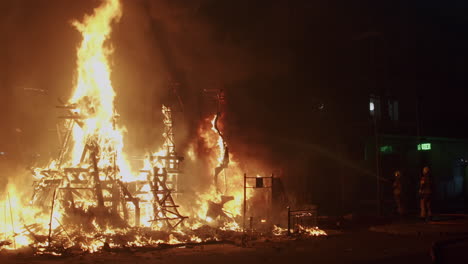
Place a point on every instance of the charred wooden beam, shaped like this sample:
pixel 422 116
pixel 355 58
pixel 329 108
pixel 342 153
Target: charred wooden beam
pixel 97 181
pixel 115 197
pixel 65 143
pixel 135 201
pixel 137 212
pixel 76 169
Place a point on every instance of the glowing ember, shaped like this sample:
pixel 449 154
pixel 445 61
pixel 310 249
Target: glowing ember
pixel 279 231
pixel 308 231
pixel 312 231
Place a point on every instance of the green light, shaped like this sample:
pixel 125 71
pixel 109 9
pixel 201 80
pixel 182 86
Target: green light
pixel 424 146
pixel 386 149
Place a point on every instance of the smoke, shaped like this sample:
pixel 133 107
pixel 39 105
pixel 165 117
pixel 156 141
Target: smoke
pixel 37 58
pixel 163 41
pixel 199 45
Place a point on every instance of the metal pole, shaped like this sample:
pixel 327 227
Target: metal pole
pixel 271 199
pixel 289 221
pixel 245 198
pixel 418 116
pixel 377 167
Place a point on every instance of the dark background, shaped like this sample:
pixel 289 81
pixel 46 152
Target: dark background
pixel 297 76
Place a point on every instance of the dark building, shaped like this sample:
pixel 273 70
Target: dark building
pixel 391 125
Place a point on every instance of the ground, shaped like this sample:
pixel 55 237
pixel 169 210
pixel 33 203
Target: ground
pixel 397 242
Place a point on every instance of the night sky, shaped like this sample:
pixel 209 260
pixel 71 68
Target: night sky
pixel 297 74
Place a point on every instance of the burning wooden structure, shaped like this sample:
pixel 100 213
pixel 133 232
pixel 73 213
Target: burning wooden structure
pixel 103 187
pixel 88 196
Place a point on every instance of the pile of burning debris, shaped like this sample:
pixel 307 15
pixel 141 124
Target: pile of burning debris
pixel 88 199
pixel 63 243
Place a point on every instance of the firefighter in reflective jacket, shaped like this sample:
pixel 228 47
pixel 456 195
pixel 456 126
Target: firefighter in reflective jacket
pixel 425 193
pixel 397 192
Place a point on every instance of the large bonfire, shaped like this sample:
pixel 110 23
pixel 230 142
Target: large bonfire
pixel 90 193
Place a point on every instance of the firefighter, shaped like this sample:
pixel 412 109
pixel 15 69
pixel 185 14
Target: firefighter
pixel 397 192
pixel 425 193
